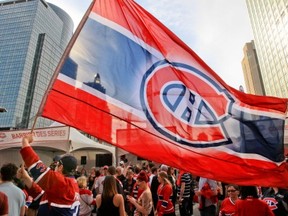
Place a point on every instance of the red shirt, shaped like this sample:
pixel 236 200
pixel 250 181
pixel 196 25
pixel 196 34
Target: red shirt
pixel 3 204
pixel 227 207
pixel 164 204
pixel 252 207
pixel 60 192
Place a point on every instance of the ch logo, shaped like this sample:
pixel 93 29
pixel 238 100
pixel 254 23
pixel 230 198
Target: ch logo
pixel 186 105
pixel 272 202
pixel 40 167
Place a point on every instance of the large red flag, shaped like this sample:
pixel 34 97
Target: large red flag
pixel 130 81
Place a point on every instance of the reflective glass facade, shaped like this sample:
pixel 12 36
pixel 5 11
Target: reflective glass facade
pixel 33 36
pixel 269 19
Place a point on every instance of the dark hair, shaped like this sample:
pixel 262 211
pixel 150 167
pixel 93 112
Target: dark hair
pixel 137 169
pixel 169 171
pixel 154 169
pixel 234 186
pixel 151 165
pixel 111 170
pixel 109 187
pixel 246 191
pixel 8 172
pixel 97 173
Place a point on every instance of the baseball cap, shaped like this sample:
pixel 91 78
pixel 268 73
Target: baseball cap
pixel 69 162
pixel 56 158
pixel 105 167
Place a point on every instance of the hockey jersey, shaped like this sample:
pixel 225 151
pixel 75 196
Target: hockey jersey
pixel 277 201
pixel 59 194
pixel 164 204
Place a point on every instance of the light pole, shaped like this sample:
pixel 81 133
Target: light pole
pixel 2 109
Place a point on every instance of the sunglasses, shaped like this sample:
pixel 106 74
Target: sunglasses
pixel 231 191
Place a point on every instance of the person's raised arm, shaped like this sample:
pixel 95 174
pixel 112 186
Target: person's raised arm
pixel 27 140
pixel 24 176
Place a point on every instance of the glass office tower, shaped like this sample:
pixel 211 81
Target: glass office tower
pixel 269 19
pixel 33 36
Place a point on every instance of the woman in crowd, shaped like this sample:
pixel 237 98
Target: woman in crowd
pixel 165 194
pixel 91 178
pixel 86 197
pixel 144 203
pixel 228 204
pixel 83 172
pixel 250 204
pixel 110 202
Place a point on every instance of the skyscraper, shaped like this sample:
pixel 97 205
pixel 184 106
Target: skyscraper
pixel 269 20
pixel 33 36
pixel 251 70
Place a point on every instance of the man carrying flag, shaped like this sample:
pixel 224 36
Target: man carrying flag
pixel 58 190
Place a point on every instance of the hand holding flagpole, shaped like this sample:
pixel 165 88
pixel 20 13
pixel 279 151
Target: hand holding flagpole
pixel 27 140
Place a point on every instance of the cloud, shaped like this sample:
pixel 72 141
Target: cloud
pixel 75 8
pixel 216 30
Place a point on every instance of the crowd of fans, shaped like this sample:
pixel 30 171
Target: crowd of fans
pixel 144 189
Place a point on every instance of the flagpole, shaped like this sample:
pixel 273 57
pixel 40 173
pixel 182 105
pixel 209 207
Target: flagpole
pixel 34 123
pixel 63 58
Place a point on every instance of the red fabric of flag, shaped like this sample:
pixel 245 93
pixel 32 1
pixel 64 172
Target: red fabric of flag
pixel 130 81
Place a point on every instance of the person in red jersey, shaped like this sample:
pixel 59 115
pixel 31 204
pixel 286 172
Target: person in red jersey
pixel 165 194
pixel 277 200
pixel 59 188
pixel 250 204
pixel 228 204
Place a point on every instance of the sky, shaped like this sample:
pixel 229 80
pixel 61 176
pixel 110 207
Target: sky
pixel 216 30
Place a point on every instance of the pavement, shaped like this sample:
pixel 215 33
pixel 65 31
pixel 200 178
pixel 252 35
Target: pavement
pixel 195 210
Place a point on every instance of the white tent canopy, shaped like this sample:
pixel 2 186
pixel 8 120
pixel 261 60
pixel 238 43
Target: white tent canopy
pixel 79 141
pixel 51 141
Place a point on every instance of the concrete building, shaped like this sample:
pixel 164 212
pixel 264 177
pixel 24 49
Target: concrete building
pixel 269 20
pixel 33 36
pixel 251 70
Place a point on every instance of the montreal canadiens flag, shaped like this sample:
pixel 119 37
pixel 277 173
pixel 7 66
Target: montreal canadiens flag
pixel 127 79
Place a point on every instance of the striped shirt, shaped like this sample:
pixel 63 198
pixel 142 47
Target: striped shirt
pixel 185 177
